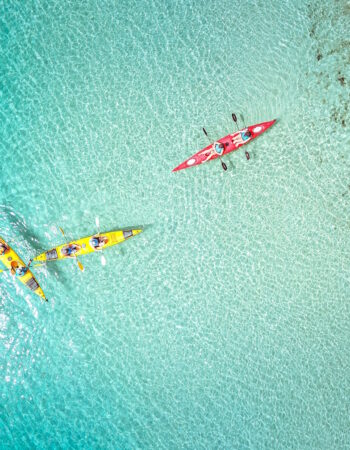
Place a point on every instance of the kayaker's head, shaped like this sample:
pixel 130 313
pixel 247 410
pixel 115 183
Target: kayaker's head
pixel 248 133
pixel 95 242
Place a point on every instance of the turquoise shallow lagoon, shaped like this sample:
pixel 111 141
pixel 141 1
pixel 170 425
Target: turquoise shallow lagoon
pixel 225 324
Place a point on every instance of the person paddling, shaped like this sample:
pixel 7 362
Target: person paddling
pixel 246 134
pixel 70 250
pixel 18 270
pixel 242 137
pixel 4 248
pixel 97 242
pixel 216 149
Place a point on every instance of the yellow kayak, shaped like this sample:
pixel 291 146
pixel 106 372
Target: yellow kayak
pixel 89 244
pixel 20 270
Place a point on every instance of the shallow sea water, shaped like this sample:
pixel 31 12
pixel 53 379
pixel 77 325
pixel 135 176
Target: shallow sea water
pixel 226 323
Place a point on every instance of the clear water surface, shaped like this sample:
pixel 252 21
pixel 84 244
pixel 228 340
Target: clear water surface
pixel 226 323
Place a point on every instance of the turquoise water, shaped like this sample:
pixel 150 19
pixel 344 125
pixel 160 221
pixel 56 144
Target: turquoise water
pixel 226 323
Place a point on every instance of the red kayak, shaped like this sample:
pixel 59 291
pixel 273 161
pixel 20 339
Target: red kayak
pixel 225 145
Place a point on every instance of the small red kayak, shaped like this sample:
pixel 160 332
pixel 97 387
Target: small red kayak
pixel 225 145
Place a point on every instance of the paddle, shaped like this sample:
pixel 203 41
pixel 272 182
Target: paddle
pixel 81 267
pixel 242 118
pixel 234 117
pixel 222 162
pixel 97 221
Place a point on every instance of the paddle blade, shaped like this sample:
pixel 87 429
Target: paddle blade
pixel 205 131
pixel 103 260
pixel 97 221
pixel 223 165
pixel 81 267
pixel 61 230
pixel 234 117
pixel 247 155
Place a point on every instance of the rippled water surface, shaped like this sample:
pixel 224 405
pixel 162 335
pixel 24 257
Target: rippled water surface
pixel 225 324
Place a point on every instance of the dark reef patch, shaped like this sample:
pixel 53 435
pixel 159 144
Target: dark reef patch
pixel 344 45
pixel 336 46
pixel 342 80
pixel 312 31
